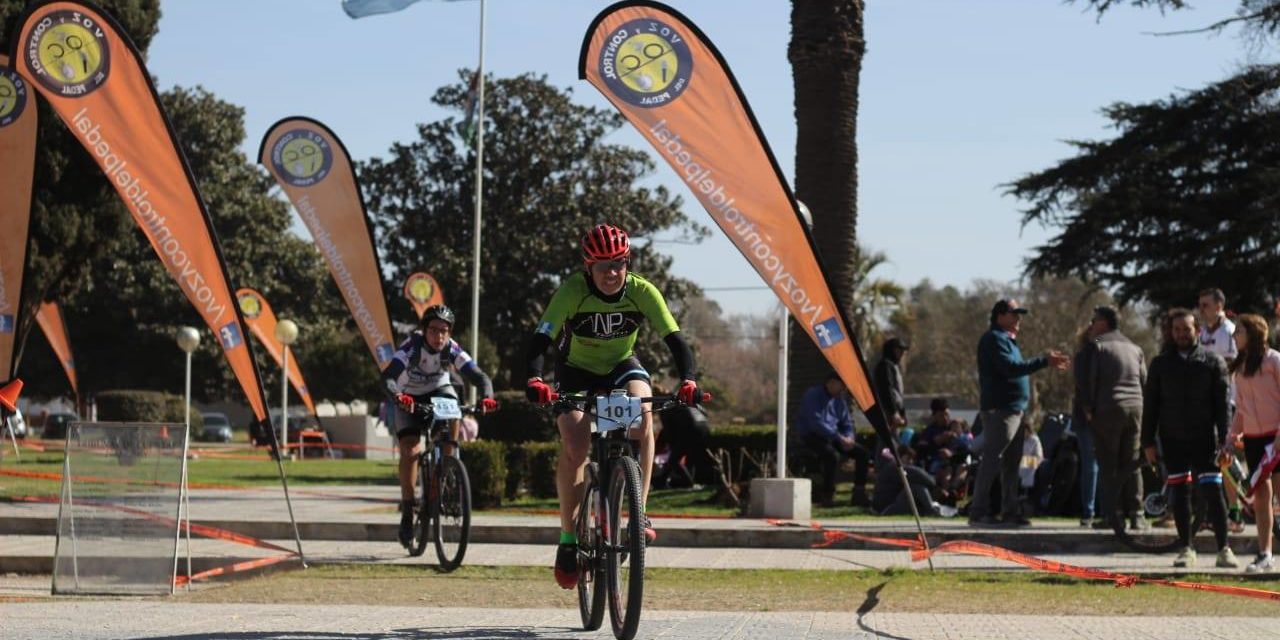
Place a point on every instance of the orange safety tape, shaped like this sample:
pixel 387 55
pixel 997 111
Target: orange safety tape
pixel 48 475
pixel 234 568
pixel 201 530
pixel 920 552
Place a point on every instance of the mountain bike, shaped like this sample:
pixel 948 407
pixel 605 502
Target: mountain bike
pixel 609 526
pixel 442 509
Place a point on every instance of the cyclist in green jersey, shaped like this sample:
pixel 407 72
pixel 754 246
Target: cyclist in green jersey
pixel 595 315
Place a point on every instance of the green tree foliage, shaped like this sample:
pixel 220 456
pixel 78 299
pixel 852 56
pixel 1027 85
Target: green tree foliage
pixel 549 176
pixel 76 216
pixel 1184 197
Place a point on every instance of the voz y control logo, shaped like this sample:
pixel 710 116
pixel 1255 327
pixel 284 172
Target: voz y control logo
pixel 68 53
pixel 302 157
pixel 13 96
pixel 646 63
pixel 250 306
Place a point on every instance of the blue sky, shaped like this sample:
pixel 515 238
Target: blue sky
pixel 956 97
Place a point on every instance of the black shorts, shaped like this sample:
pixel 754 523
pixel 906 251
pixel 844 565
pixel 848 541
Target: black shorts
pixel 408 424
pixel 1255 448
pixel 574 380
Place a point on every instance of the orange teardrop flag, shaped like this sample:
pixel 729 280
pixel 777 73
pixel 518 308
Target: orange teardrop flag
pixel 17 168
pixel 314 169
pixel 671 83
pixel 82 62
pixel 262 322
pixel 54 326
pixel 422 291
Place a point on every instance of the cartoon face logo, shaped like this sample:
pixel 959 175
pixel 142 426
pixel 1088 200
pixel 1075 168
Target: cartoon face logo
pixel 68 53
pixel 13 96
pixel 302 157
pixel 420 288
pixel 646 63
pixel 250 306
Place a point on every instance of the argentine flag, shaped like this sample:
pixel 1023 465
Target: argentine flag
pixel 366 8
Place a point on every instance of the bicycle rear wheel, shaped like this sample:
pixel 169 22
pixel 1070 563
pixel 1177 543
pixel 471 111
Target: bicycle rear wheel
pixel 421 512
pixel 625 548
pixel 591 581
pixel 452 515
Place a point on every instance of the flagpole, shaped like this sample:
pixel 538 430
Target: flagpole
pixel 475 248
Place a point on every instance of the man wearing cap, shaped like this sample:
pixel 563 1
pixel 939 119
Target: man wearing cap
pixel 1112 405
pixel 1005 381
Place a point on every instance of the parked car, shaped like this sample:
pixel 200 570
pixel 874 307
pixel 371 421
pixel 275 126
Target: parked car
pixel 217 428
pixel 55 425
pixel 17 423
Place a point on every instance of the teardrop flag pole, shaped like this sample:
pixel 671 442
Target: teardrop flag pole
pixel 314 169
pixel 670 82
pixel 90 72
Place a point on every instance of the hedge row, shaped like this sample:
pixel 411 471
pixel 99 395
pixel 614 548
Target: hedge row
pixel 129 405
pixel 503 468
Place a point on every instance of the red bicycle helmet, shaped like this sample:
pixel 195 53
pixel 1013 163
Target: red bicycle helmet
pixel 605 242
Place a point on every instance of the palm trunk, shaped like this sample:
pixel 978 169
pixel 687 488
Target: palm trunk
pixel 826 52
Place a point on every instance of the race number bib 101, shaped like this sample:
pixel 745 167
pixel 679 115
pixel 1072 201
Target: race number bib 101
pixel 445 409
pixel 616 412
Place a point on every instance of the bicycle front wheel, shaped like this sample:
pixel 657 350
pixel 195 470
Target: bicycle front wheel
pixel 625 564
pixel 591 581
pixel 421 512
pixel 453 513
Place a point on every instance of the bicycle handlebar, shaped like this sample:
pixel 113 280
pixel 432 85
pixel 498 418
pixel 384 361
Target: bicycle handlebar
pixel 582 397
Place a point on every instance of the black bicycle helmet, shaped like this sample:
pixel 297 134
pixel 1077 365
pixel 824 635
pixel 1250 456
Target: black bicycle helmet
pixel 438 312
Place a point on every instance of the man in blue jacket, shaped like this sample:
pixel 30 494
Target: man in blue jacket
pixel 824 426
pixel 1005 381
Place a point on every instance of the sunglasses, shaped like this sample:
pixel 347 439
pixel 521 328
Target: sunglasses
pixel 605 266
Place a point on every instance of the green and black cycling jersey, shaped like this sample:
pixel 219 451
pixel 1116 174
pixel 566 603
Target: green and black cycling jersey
pixel 596 331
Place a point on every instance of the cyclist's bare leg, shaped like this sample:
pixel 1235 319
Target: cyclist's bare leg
pixel 454 427
pixel 409 450
pixel 644 434
pixel 1262 513
pixel 575 443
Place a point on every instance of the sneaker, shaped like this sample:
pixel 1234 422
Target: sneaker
pixel 1263 562
pixel 649 534
pixel 406 526
pixel 1227 559
pixel 1139 523
pixel 1086 522
pixel 1187 558
pixel 567 565
pixel 1235 526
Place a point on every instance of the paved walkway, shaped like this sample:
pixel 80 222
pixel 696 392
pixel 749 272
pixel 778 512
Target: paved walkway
pixel 90 620
pixel 356 524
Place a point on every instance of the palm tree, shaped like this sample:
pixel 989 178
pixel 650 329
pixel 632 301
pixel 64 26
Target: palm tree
pixel 826 52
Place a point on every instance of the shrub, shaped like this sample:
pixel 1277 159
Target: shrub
pixel 518 421
pixel 540 471
pixel 127 405
pixel 487 470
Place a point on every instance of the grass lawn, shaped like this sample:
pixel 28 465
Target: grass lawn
pixel 751 590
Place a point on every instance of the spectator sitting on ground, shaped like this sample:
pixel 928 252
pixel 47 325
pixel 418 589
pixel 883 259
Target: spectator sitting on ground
pixel 824 427
pixel 932 445
pixel 953 475
pixel 889 499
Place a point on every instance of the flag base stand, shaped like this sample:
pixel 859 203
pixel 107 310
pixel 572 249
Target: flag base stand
pixel 782 498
